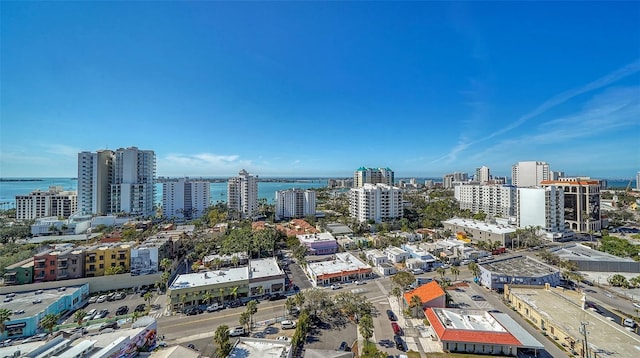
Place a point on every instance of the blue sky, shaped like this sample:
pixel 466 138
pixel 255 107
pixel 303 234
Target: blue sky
pixel 322 88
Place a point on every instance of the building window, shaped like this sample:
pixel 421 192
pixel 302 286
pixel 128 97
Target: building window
pixel 101 266
pixel 113 256
pixel 101 258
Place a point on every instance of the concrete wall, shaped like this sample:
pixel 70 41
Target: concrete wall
pixel 96 284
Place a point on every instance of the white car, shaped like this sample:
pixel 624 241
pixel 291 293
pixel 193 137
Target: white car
pixel 93 299
pixel 358 283
pixel 237 331
pixel 287 324
pixel 335 286
pixel 101 299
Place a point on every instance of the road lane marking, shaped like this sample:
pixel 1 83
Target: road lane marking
pixel 178 324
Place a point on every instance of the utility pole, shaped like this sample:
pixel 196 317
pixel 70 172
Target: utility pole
pixel 583 330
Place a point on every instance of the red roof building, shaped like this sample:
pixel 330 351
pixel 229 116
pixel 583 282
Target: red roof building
pixel 431 295
pixel 479 332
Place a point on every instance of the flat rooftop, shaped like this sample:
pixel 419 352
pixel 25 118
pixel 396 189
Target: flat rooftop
pixel 396 250
pixel 210 278
pixel 257 347
pixel 584 253
pixel 344 262
pixel 481 225
pixel 474 320
pixel 564 309
pixel 518 266
pixel 265 268
pixel 24 301
pixel 317 237
pixel 339 229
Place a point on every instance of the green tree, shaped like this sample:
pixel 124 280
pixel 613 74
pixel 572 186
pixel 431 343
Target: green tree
pixel 235 260
pixel 5 315
pixel 147 297
pixel 252 309
pixel 455 272
pixel 474 269
pixel 79 316
pixel 403 279
pixel 221 340
pixel 618 280
pixel 217 262
pixel 166 264
pixel 222 291
pixel 245 320
pixel 441 271
pixel 289 304
pixel 366 327
pixel 415 304
pixel 353 304
pixel 299 299
pixel 49 322
pixel 234 292
pixel 208 297
pixel 397 293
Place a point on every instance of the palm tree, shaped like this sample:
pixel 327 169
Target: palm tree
pixel 289 304
pixel 474 268
pixel 49 322
pixel 441 271
pixel 166 264
pixel 235 260
pixel 397 293
pixel 252 308
pixel 222 290
pixel 183 300
pixel 245 320
pixel 455 272
pixel 234 292
pixel 79 316
pixel 299 299
pixel 415 302
pixel 217 262
pixel 5 315
pixel 366 327
pixel 208 296
pixel 221 340
pixel 147 297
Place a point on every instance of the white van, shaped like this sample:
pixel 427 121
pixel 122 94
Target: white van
pixel 628 322
pixel 287 324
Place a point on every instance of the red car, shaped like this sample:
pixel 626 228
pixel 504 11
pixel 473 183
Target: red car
pixel 396 328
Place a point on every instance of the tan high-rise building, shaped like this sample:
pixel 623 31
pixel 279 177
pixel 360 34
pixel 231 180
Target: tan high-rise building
pixel 40 204
pixel 581 202
pixel 242 194
pixel 364 176
pixel 529 173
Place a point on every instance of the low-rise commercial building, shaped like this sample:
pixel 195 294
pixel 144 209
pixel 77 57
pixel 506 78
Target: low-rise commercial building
pixel 588 259
pixel 481 231
pixel 396 254
pixel 479 332
pixel 259 348
pixel 319 244
pixel 431 295
pixel 20 273
pixel 518 270
pixel 37 304
pixel 343 268
pixel 562 315
pixel 262 276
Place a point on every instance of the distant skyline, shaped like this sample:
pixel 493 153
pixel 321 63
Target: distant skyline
pixel 301 89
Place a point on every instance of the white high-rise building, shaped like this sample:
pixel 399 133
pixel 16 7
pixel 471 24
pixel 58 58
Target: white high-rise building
pixel 185 199
pixel 53 202
pixel 581 203
pixel 376 202
pixel 495 200
pixel 94 180
pixel 372 176
pixel 543 208
pixel 449 179
pixel 295 203
pixel 638 181
pixel 132 184
pixel 529 173
pixel 483 175
pixel 242 194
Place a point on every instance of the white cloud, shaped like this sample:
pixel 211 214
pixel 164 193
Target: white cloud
pixel 201 164
pixel 554 101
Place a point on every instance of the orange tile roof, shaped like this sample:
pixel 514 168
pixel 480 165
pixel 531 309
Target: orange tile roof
pixel 471 336
pixel 427 292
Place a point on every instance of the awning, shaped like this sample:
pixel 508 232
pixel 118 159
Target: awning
pixel 15 325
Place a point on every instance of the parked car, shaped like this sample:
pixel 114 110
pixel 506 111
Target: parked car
pixel 214 307
pixel 336 286
pixel 391 315
pixel 396 329
pixel 140 308
pixel 36 301
pixel 112 325
pixel 399 343
pixel 102 314
pixel 111 297
pixel 93 299
pixel 344 346
pixel 92 313
pixel 477 298
pixel 417 271
pixel 122 310
pixel 277 296
pixel 101 299
pixel 237 331
pixel 628 322
pixel 358 283
pixel 287 324
pixel 120 296
pixel 193 311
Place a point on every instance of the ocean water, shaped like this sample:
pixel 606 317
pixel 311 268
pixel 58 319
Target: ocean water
pixel 267 190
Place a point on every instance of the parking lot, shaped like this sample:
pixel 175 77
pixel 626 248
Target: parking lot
pixel 466 296
pixel 131 301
